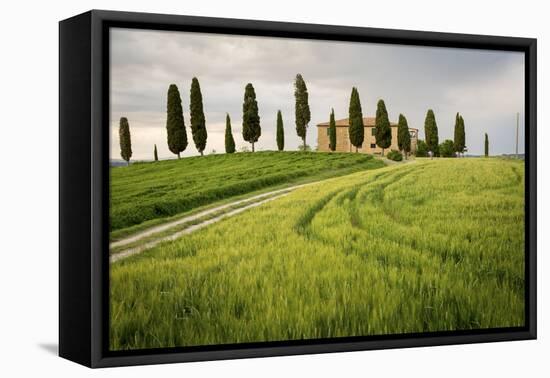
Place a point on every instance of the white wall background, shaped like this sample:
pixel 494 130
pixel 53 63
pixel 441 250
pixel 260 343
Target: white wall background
pixel 29 188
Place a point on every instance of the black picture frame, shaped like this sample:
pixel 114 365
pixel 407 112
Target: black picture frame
pixel 84 192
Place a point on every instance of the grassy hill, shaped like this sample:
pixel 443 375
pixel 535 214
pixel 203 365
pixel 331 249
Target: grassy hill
pixel 429 246
pixel 153 190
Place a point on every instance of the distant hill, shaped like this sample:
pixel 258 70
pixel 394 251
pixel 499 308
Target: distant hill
pixel 513 156
pixel 119 162
pixel 509 156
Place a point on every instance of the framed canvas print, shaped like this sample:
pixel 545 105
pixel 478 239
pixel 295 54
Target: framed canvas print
pixel 234 188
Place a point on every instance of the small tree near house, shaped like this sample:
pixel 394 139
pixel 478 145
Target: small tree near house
pixel 302 111
pixel 155 154
pixel 356 127
pixel 403 136
pixel 382 126
pixel 421 148
pixel 430 131
pixel 446 149
pixel 486 145
pixel 332 132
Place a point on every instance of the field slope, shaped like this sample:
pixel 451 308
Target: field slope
pixel 435 245
pixel 151 191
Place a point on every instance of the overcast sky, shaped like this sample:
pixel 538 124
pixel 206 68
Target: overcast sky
pixel 486 87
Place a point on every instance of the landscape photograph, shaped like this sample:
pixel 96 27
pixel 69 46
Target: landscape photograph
pixel 270 189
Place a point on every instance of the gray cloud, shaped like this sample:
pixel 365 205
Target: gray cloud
pixel 486 87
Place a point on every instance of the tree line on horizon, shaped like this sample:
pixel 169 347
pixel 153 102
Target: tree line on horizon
pixel 383 137
pixel 448 148
pixel 382 128
pixel 251 128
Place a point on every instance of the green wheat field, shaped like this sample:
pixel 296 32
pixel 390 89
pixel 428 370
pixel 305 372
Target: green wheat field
pixel 145 193
pixel 432 245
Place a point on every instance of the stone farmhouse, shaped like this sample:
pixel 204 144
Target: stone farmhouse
pixel 369 144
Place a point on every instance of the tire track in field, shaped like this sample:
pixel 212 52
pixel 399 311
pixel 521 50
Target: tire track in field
pixel 358 195
pixel 133 250
pixel 440 253
pixel 303 223
pixel 355 196
pixel 166 226
pixel 302 226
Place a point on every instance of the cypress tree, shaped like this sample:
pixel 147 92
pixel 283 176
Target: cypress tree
pixel 198 122
pixel 303 114
pixel 251 120
pixel 403 135
pixel 125 140
pixel 356 128
pixel 459 135
pixel 462 136
pixel 175 124
pixel 456 140
pixel 280 132
pixel 430 130
pixel 382 126
pixel 332 132
pixel 155 154
pixel 229 141
pixel 486 145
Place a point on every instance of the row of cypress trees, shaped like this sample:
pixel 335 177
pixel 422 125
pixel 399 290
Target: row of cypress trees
pixel 404 143
pixel 455 147
pixel 458 145
pixel 177 135
pixel 251 130
pixel 175 124
pixel 356 127
pixel 383 129
pixel 448 148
